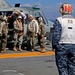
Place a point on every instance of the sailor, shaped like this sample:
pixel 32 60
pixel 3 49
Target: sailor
pixel 63 41
pixel 18 35
pixel 3 35
pixel 41 34
pixel 32 33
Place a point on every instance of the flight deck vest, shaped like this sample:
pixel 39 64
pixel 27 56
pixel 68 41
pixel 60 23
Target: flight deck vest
pixel 68 30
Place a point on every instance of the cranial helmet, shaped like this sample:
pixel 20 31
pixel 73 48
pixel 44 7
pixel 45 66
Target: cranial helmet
pixel 66 9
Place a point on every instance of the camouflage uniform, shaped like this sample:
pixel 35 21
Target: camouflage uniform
pixel 64 52
pixel 41 35
pixel 3 37
pixel 18 37
pixel 31 40
pixel 31 36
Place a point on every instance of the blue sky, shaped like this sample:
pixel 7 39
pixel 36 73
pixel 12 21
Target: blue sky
pixel 50 7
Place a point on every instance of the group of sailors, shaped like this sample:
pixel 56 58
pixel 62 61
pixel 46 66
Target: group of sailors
pixel 35 29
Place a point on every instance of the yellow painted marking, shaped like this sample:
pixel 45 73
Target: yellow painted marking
pixel 29 54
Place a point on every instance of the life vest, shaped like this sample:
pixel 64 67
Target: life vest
pixel 68 30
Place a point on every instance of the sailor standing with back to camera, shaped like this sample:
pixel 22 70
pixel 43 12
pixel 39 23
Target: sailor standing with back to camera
pixel 63 41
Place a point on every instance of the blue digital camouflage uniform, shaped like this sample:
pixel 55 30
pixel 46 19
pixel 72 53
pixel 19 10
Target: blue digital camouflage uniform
pixel 64 53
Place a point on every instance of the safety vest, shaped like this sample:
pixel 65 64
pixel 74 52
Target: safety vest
pixel 68 30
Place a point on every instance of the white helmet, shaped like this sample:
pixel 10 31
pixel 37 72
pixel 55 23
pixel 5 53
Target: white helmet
pixel 66 9
pixel 20 17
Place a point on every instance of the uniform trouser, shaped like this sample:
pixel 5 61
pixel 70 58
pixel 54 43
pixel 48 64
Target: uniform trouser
pixel 3 41
pixel 65 59
pixel 18 39
pixel 41 41
pixel 31 40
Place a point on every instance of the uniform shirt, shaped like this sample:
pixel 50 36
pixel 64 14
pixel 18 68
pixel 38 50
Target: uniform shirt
pixel 1 26
pixel 16 27
pixel 37 26
pixel 56 33
pixel 41 28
